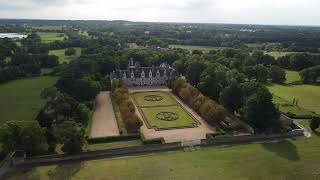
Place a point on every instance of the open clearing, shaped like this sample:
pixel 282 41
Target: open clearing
pixel 48 37
pixel 291 159
pixel 202 48
pixel 62 57
pixel 308 95
pixel 20 99
pixel 292 76
pixel 104 122
pixel 286 106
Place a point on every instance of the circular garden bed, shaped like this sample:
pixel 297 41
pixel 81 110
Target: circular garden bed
pixel 153 98
pixel 167 116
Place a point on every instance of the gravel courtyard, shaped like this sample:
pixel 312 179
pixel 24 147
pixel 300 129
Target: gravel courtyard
pixel 104 122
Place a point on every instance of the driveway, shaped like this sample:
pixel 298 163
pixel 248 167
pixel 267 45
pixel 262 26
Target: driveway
pixel 104 122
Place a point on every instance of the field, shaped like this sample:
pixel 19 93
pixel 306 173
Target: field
pixel 308 95
pixel 62 57
pixel 48 37
pixel 20 99
pixel 161 111
pixel 286 107
pixel 292 76
pixel 290 159
pixel 278 54
pixel 202 48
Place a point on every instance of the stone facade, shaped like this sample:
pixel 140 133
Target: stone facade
pixel 135 75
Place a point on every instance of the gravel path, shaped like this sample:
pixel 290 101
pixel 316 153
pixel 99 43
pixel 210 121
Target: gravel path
pixel 104 122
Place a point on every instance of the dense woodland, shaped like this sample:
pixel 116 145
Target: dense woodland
pixel 217 82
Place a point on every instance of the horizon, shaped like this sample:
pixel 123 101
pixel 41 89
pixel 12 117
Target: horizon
pixel 252 12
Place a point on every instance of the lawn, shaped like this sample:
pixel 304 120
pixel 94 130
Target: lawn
pixel 20 99
pixel 290 159
pixel 62 57
pixel 120 144
pixel 286 106
pixel 202 48
pixel 292 76
pixel 48 37
pixel 165 101
pixel 183 118
pixel 276 54
pixel 308 95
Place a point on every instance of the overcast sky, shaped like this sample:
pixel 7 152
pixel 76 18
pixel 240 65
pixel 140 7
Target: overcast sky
pixel 283 12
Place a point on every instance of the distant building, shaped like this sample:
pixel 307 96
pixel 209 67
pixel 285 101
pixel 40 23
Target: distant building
pixel 135 75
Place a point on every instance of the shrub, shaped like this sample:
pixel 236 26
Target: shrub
pixel 315 123
pixel 133 123
pixel 70 51
pixel 114 138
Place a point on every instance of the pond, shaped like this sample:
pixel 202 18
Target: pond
pixel 12 35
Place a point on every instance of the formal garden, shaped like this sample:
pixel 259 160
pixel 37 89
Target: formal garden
pixel 161 111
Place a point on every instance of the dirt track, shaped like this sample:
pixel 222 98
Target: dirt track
pixel 104 122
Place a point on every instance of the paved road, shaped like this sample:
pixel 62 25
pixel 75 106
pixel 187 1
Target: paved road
pixel 104 122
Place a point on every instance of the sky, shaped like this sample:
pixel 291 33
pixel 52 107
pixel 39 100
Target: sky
pixel 276 12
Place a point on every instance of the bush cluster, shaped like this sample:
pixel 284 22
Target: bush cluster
pixel 208 109
pixel 122 98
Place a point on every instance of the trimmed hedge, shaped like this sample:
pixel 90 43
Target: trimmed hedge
pixel 152 141
pixel 213 135
pixel 108 139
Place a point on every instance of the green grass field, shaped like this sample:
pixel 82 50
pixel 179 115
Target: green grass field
pixel 290 159
pixel 48 37
pixel 286 106
pixel 20 99
pixel 292 76
pixel 308 95
pixel 184 119
pixel 278 54
pixel 202 48
pixel 62 57
pixel 165 101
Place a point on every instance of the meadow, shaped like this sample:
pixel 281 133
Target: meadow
pixel 62 57
pixel 202 48
pixel 287 107
pixel 48 37
pixel 288 159
pixel 20 99
pixel 308 95
pixel 292 76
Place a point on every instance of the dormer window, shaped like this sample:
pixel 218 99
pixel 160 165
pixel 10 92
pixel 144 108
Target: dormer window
pixel 142 74
pixel 165 72
pixel 158 73
pixel 124 75
pixel 150 74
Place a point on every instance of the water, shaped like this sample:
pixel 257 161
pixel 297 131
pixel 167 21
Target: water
pixel 12 35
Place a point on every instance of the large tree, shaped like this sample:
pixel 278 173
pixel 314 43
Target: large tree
pixel 71 135
pixel 23 135
pixel 231 97
pixel 277 74
pixel 260 112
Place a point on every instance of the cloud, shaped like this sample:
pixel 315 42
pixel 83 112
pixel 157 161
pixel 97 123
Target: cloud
pixel 302 12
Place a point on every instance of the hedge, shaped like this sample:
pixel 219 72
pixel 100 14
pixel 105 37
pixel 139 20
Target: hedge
pixel 213 135
pixel 294 116
pixel 152 141
pixel 108 139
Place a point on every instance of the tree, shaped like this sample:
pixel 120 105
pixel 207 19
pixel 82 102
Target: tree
pixel 71 135
pixel 194 70
pixel 260 112
pixel 86 89
pixel 277 74
pixel 315 123
pixel 70 51
pixel 133 123
pixel 261 73
pixel 22 135
pixel 231 97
